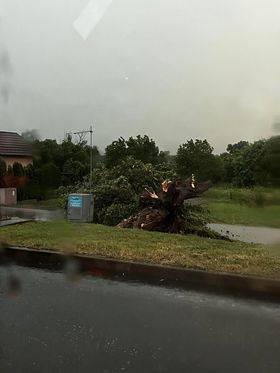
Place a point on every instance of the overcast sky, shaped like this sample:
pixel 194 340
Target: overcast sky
pixel 172 69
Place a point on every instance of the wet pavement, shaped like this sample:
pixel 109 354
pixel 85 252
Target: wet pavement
pixel 13 221
pixel 102 325
pixel 264 235
pixel 32 213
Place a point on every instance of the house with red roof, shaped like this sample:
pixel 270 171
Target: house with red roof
pixel 13 148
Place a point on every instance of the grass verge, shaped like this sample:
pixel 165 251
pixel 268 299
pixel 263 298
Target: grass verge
pixel 255 207
pixel 233 213
pixel 186 251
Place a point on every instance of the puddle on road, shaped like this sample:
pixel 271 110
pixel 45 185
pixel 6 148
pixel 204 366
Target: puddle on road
pixel 262 235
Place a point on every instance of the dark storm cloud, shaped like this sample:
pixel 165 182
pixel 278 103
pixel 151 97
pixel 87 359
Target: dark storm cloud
pixel 5 93
pixel 5 62
pixel 5 73
pixel 171 69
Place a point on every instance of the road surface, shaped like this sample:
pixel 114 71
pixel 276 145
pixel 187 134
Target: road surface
pixel 101 325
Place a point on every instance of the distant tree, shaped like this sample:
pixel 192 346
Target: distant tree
pixel 244 164
pixel 3 168
pixel 50 176
pixel 18 169
pixel 218 171
pixel 241 145
pixel 226 160
pixel 270 161
pixel 115 152
pixel 164 157
pixel 196 157
pixel 54 163
pixel 141 148
pixel 73 171
pixel 10 170
pixel 48 151
pixel 251 171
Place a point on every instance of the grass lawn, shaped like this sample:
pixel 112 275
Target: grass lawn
pixel 233 213
pixel 186 251
pixel 257 207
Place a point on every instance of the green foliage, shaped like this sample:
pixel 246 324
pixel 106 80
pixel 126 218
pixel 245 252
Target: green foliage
pixel 113 191
pixel 10 170
pixel 257 206
pixel 59 154
pixel 196 157
pixel 50 176
pixel 116 190
pixel 63 192
pixel 249 197
pixel 154 247
pixel 140 148
pixel 73 171
pixel 116 193
pixel 141 163
pixel 55 165
pixel 196 218
pixel 166 171
pixel 115 152
pixel 119 188
pixel 247 165
pixel 138 174
pixel 232 148
pixel 257 196
pixel 18 169
pixel 271 160
pixel 116 212
pixel 218 169
pixel 143 148
pixel 3 168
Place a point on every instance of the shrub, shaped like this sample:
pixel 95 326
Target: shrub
pixel 116 212
pixel 116 190
pixel 259 198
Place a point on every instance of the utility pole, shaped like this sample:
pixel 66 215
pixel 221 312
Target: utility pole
pixel 91 157
pixel 81 134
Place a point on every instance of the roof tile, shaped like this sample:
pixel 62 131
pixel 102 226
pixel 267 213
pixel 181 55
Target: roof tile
pixel 12 143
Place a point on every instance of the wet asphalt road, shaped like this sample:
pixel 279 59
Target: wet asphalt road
pixel 100 325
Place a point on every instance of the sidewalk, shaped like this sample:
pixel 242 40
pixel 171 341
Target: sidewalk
pixel 31 213
pixel 12 221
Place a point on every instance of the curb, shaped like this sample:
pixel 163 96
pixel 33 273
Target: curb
pixel 222 283
pixel 7 223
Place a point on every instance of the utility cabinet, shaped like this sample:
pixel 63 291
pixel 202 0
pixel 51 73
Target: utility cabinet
pixel 80 208
pixel 8 196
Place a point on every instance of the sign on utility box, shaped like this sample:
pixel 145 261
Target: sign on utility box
pixel 80 208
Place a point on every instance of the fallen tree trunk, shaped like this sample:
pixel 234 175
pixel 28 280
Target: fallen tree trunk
pixel 162 209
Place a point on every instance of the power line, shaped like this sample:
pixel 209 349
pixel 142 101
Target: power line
pixel 81 134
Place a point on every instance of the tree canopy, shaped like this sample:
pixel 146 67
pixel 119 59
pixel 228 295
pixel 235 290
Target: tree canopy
pixel 141 148
pixel 139 161
pixel 195 157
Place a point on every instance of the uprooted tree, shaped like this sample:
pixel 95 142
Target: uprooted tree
pixel 162 209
